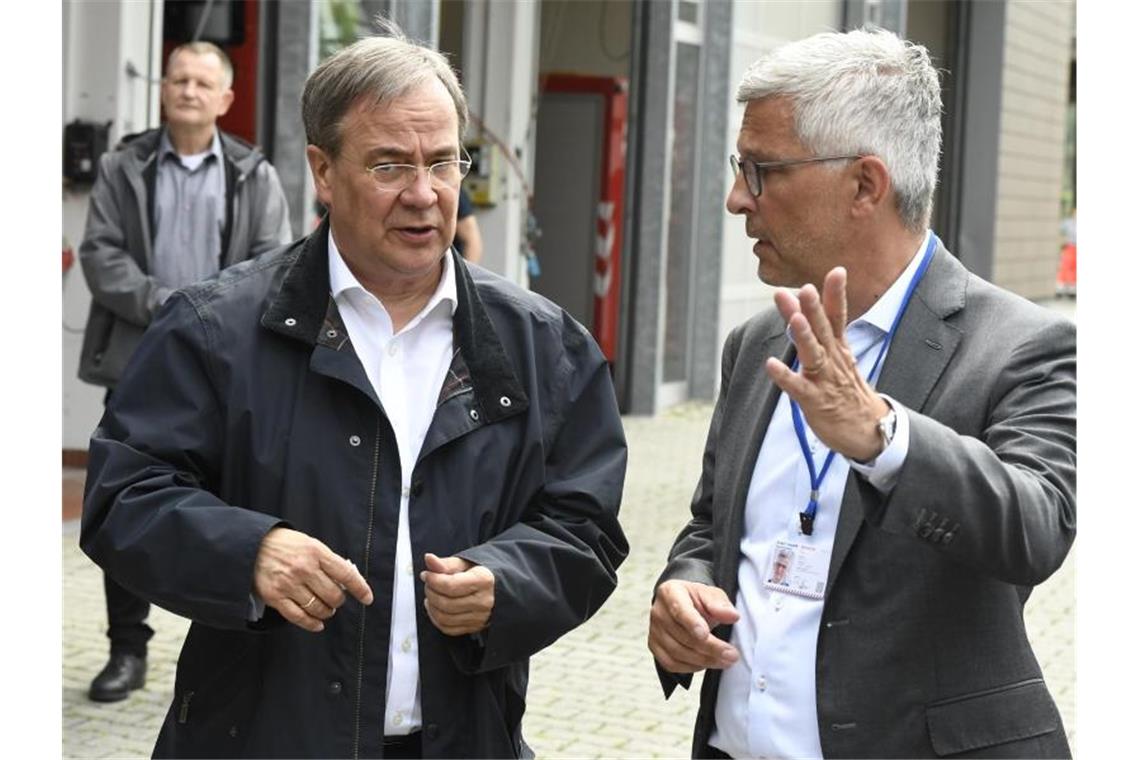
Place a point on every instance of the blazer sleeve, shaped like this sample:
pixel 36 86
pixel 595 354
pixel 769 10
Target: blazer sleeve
pixel 1002 502
pixel 150 516
pixel 272 228
pixel 113 275
pixel 555 568
pixel 693 552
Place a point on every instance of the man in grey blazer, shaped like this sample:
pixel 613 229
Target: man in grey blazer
pixel 891 464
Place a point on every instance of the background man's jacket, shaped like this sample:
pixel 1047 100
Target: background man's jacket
pixel 247 408
pixel 922 650
pixel 116 252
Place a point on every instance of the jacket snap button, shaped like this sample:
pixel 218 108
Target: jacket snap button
pixel 334 688
pixel 331 333
pixel 947 537
pixel 504 401
pixel 354 440
pixel 233 732
pixel 290 322
pixel 474 414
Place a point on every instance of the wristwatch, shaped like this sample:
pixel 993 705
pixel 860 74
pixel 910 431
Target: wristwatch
pixel 887 424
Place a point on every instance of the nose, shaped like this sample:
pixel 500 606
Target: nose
pixel 740 199
pixel 420 193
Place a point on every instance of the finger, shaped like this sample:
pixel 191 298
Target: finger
pixel 792 383
pixel 672 654
pixel 472 581
pixel 674 600
pixel 312 605
pixel 713 604
pixel 455 625
pixel 456 605
pixel 446 565
pixel 342 571
pixel 787 304
pixel 812 309
pixel 835 302
pixel 292 612
pixel 327 591
pixel 811 353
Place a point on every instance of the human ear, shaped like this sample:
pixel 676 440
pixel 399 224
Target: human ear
pixel 873 185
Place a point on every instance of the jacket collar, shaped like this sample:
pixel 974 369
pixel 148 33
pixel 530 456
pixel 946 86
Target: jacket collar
pixel 143 147
pixel 299 308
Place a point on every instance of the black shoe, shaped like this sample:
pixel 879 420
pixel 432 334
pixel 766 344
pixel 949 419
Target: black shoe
pixel 122 674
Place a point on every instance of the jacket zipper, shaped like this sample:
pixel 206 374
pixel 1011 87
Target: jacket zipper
pixel 184 711
pixel 363 608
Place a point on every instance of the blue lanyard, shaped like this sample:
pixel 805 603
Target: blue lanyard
pixel 807 517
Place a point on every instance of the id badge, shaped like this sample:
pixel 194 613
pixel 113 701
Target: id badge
pixel 798 568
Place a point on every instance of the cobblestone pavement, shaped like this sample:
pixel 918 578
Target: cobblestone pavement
pixel 593 694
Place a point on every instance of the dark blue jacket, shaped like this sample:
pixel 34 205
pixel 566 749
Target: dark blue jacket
pixel 246 407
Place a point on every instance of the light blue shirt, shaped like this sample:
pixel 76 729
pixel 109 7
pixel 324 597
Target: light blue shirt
pixel 766 703
pixel 189 213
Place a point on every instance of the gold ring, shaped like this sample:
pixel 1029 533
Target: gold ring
pixel 306 605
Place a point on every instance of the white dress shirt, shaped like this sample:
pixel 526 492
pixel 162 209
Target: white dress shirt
pixel 765 705
pixel 407 370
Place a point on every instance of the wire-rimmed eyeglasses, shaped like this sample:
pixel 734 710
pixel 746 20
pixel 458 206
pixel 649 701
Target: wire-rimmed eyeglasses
pixel 754 170
pixel 398 177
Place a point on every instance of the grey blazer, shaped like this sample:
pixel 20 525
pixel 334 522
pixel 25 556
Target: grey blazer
pixel 922 650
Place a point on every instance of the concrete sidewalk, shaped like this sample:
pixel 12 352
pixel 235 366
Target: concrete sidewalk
pixel 592 694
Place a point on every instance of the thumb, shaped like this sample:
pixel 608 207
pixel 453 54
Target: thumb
pixel 445 565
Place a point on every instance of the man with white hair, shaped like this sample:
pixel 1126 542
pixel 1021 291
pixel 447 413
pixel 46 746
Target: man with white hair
pixel 904 427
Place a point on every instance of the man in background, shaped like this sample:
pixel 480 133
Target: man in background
pixel 170 206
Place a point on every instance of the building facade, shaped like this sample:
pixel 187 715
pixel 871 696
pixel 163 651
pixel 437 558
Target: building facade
pixel 601 130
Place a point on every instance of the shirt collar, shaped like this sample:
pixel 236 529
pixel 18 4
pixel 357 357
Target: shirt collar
pixel 883 312
pixel 166 148
pixel 342 280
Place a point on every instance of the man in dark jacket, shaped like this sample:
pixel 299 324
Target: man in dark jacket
pixel 362 424
pixel 171 206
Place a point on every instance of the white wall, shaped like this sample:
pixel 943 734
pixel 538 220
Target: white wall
pixel 757 28
pixel 500 52
pixel 1035 87
pixel 98 39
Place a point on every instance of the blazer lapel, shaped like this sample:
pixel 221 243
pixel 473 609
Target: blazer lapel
pixel 762 395
pixel 918 356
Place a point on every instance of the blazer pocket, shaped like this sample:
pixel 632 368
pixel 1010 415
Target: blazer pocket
pixel 995 716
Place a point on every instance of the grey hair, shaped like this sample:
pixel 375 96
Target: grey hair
pixel 380 68
pixel 867 92
pixel 206 48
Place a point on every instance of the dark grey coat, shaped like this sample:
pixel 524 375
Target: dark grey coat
pixel 116 253
pixel 247 408
pixel 922 650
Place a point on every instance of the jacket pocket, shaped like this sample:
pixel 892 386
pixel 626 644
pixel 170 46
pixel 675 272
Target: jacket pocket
pixel 995 716
pixel 216 692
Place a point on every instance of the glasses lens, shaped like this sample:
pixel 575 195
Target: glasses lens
pixel 450 173
pixel 393 176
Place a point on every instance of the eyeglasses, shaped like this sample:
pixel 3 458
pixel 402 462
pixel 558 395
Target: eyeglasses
pixel 754 170
pixel 399 177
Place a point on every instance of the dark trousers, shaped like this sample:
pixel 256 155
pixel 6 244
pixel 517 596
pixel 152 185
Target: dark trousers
pixel 126 613
pixel 126 619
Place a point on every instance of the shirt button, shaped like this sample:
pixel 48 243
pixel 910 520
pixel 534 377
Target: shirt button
pixel 405 492
pixel 392 348
pixel 762 683
pixel 354 440
pixel 406 645
pixel 409 569
pixel 779 602
pixel 398 719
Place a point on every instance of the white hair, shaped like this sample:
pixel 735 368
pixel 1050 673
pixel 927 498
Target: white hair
pixel 866 92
